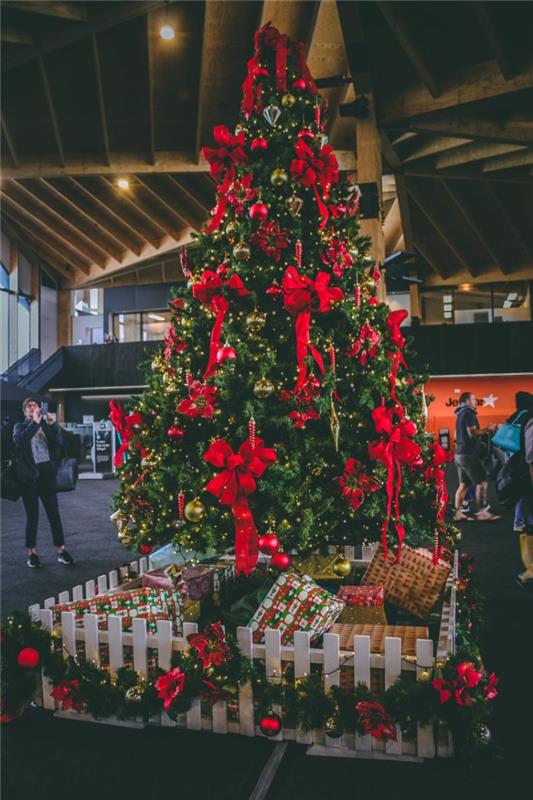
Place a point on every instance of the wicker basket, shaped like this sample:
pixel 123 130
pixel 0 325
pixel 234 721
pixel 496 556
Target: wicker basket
pixel 413 583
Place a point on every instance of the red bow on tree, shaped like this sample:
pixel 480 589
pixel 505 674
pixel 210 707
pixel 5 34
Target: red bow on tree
pixel 355 483
pixel 210 645
pixel 233 485
pixel 224 158
pixel 337 254
pixel 301 295
pixel 173 343
pixel 435 473
pixel 310 170
pixel 209 292
pixel 395 448
pixel 201 402
pixel 271 239
pixel 124 425
pixel 394 320
pixel 366 345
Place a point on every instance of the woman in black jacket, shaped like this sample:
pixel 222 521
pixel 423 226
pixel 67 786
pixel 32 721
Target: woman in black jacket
pixel 37 441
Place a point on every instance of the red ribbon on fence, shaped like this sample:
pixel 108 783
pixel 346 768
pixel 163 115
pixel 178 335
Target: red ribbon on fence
pixel 233 485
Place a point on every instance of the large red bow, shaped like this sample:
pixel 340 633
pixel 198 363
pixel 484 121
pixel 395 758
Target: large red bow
pixel 395 448
pixel 394 320
pixel 301 295
pixel 224 158
pixel 366 345
pixel 124 425
pixel 209 292
pixel 310 170
pixel 355 483
pixel 435 473
pixel 233 485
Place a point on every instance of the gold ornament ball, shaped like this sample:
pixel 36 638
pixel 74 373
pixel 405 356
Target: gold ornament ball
pixel 194 510
pixel 231 229
pixel 125 539
pixel 186 323
pixel 288 100
pixel 134 694
pixel 256 321
pixel 263 389
pixel 333 727
pixel 279 177
pixel 342 567
pixel 241 251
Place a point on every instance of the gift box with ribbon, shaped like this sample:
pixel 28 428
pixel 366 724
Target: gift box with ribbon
pixel 295 602
pixel 364 605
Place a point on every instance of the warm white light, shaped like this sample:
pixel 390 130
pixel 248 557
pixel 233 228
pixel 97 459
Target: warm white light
pixel 157 317
pixel 123 183
pixel 448 307
pixel 508 304
pixel 166 31
pixel 512 296
pixel 447 298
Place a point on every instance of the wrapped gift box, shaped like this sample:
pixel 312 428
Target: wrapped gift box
pixel 147 603
pixel 191 610
pixel 197 581
pixel 377 633
pixel 364 605
pixel 317 566
pixel 157 579
pixel 295 602
pixel 413 583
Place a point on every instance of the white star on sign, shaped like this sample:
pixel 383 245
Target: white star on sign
pixel 489 401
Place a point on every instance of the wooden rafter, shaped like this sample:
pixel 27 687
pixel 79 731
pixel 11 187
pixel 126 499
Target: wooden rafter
pixel 35 248
pixel 52 112
pixel 73 11
pixel 494 38
pixel 479 82
pixel 9 141
pixel 475 151
pixel 508 221
pixel 122 208
pixel 168 208
pixel 190 197
pixel 392 226
pixel 436 223
pixel 511 131
pixel 454 175
pixel 509 161
pixel 153 211
pixel 470 221
pixel 405 211
pixel 429 258
pixel 388 151
pixel 437 144
pixel 406 41
pixel 11 35
pixel 101 100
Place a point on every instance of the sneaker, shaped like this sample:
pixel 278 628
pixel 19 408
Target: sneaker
pixel 460 516
pixel 34 561
pixel 65 558
pixel 525 584
pixel 519 528
pixel 485 515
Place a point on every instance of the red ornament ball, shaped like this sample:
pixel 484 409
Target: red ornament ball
pixel 280 561
pixel 269 544
pixel 174 432
pixel 258 212
pixel 226 353
pixel 299 83
pixel 145 549
pixel 270 724
pixel 306 135
pixel 259 144
pixel 28 658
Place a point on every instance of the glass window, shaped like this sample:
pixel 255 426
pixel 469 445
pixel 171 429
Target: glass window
pixel 4 318
pixel 23 325
pixel 512 302
pixel 470 303
pixel 127 327
pixel 155 325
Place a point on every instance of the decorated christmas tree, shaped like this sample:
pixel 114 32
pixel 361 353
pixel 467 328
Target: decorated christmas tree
pixel 281 409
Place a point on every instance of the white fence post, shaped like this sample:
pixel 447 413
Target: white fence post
pixel 140 644
pixel 302 669
pixel 393 670
pixel 48 700
pixel 246 699
pixel 194 714
pixel 273 666
pixel 63 597
pixel 116 652
pixel 102 584
pixel 113 579
pixel 77 593
pixel 425 739
pixel 68 633
pixel 361 674
pixel 92 650
pixel 90 589
pixel 331 672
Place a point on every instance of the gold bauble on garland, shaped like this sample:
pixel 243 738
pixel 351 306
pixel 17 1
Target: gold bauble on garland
pixel 241 251
pixel 333 727
pixel 231 230
pixel 256 321
pixel 279 177
pixel 134 694
pixel 342 567
pixel 263 388
pixel 194 510
pixel 288 100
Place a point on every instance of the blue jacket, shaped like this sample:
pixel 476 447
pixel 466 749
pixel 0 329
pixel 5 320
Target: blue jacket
pixel 23 433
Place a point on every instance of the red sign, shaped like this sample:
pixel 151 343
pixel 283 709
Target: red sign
pixel 495 398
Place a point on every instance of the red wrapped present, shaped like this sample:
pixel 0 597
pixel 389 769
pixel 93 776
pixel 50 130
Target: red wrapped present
pixel 367 596
pixel 197 581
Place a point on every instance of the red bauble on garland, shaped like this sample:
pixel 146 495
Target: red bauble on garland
pixel 306 134
pixel 299 83
pixel 258 212
pixel 226 353
pixel 280 561
pixel 269 544
pixel 28 658
pixel 270 724
pixel 145 549
pixel 259 144
pixel 175 433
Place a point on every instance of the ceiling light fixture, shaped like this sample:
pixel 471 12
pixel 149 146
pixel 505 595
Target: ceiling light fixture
pixel 123 183
pixel 167 32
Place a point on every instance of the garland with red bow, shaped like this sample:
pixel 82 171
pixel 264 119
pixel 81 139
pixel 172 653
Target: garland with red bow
pixel 395 448
pixel 233 485
pixel 125 426
pixel 209 292
pixel 301 296
pixel 223 159
pixel 310 169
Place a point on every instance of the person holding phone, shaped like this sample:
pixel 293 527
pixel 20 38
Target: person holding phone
pixel 38 442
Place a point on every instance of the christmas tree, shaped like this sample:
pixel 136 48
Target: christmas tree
pixel 281 403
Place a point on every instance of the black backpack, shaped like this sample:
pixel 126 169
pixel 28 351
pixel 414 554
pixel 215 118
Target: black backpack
pixel 513 481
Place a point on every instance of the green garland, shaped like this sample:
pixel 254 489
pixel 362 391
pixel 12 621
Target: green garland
pixel 456 694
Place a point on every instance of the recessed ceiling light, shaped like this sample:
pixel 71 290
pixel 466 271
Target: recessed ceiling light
pixel 157 317
pixel 166 31
pixel 512 296
pixel 507 304
pixel 123 183
pixel 447 298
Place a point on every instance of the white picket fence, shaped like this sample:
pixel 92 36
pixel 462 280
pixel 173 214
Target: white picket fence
pixel 426 744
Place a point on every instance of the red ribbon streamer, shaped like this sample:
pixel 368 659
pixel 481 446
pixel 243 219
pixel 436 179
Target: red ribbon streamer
pixel 435 473
pixel 393 449
pixel 209 292
pixel 310 169
pixel 231 151
pixel 124 425
pixel 301 295
pixel 233 485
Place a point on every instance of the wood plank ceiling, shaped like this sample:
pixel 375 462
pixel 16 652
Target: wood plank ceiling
pixel 91 94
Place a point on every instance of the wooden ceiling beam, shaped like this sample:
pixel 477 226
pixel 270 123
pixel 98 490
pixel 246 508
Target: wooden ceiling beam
pixel 470 85
pixel 493 37
pixel 388 151
pixel 470 221
pixel 17 233
pixel 485 129
pixel 406 41
pixel 475 151
pixel 80 30
pixel 160 198
pixel 150 94
pixel 46 213
pixel 508 221
pixel 201 211
pixel 117 201
pixel 164 188
pixel 437 144
pixel 435 222
pixel 509 161
pixel 106 216
pixel 101 100
pixel 52 112
pixel 73 11
pixel 417 172
pixel 405 211
pixel 9 141
pixel 30 222
pixel 11 35
pixel 392 227
pixel 158 217
pixel 429 258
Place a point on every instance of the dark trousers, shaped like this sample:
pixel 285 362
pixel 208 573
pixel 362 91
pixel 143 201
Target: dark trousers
pixel 43 488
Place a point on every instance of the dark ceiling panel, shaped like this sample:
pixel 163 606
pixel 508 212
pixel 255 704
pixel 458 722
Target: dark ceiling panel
pixel 25 108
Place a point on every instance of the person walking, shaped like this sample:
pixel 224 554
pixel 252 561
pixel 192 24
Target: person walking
pixel 38 441
pixel 468 461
